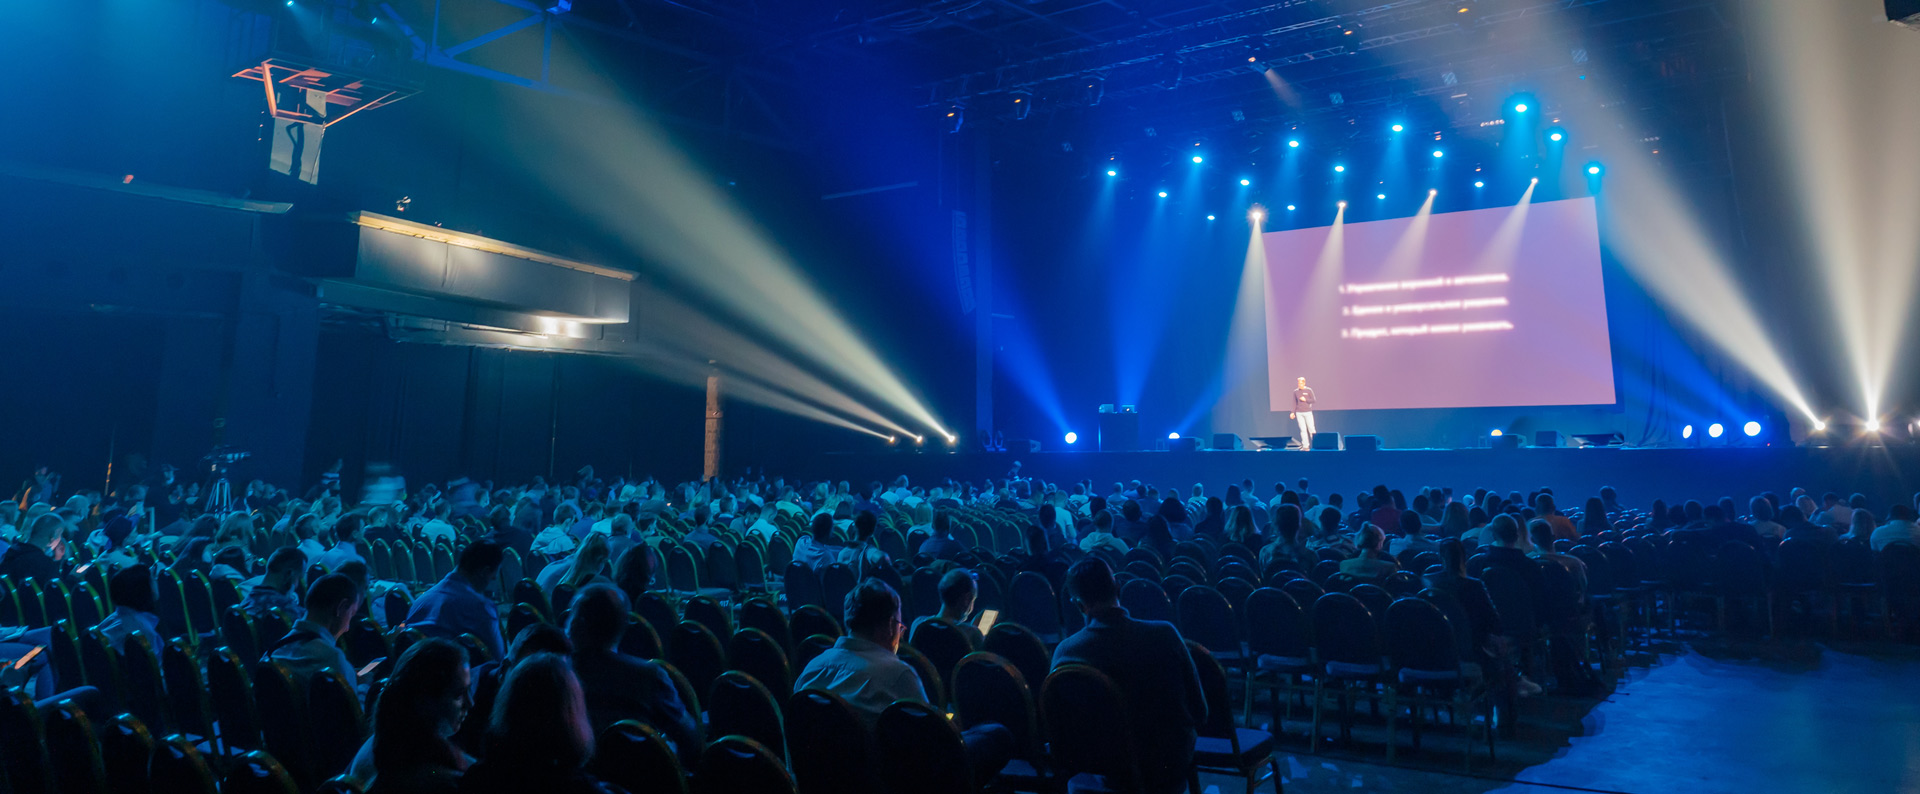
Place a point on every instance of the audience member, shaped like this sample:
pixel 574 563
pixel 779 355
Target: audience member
pixel 285 577
pixel 347 535
pixel 1900 528
pixel 623 687
pixel 34 557
pixel 460 603
pixel 1372 562
pixel 1149 663
pixel 422 706
pixel 940 543
pixel 332 603
pixel 957 593
pixel 865 554
pixel 817 549
pixel 538 738
pixel 136 597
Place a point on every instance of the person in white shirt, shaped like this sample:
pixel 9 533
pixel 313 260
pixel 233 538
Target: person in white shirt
pixel 437 528
pixel 1101 536
pixel 1763 522
pixel 1900 528
pixel 347 542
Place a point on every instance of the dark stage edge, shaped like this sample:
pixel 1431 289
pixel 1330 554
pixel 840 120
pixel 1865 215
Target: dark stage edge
pixel 1884 474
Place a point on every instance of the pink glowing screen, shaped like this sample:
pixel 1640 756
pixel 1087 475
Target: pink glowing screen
pixel 1492 307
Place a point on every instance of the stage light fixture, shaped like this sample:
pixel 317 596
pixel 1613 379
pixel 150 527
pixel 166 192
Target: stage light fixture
pixel 1686 432
pixel 1380 195
pixel 1173 436
pixel 1163 194
pixel 1433 191
pixel 1112 172
pixel 1819 426
pixel 1556 135
pixel 1245 182
pixel 1497 433
pixel 1751 429
pixel 1196 159
pixel 1439 153
pixel 1714 430
pixel 1479 184
pixel 892 439
pixel 1872 426
pixel 1536 181
pixel 1399 128
pixel 1292 144
pixel 1290 208
pixel 1341 205
pixel 1072 437
pixel 1209 217
pixel 1256 214
pixel 1519 107
pixel 1593 169
pixel 1022 104
pixel 1339 169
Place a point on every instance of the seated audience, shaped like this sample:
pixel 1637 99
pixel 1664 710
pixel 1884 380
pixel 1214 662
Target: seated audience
pixel 541 637
pixel 1372 562
pixel 587 565
pixel 33 557
pixel 421 708
pixel 538 738
pixel 459 604
pixel 1100 536
pixel 1900 528
pixel 286 573
pixel 1287 549
pixel 817 549
pixel 957 593
pixel 332 603
pixel 1148 661
pixel 136 598
pixel 1410 535
pixel 865 554
pixel 941 543
pixel 622 687
pixel 348 542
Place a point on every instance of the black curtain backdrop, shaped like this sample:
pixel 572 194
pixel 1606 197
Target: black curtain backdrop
pixel 77 385
pixel 440 412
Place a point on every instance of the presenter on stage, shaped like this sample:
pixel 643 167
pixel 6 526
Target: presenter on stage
pixel 1303 412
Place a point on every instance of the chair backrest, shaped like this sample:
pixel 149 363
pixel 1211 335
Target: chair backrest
pixel 832 751
pixel 336 722
pixel 404 570
pixel 126 748
pixel 739 765
pixel 1276 626
pixel 442 561
pixel 23 748
pixel 1206 617
pixel 1801 564
pixel 1512 600
pixel 749 567
pixel 989 689
pixel 1087 725
pixel 920 750
pixel 186 689
pixel 178 768
pixel 380 559
pixel 779 553
pixel 739 704
pixel 683 571
pixel 1020 647
pixel 635 757
pixel 688 695
pixel 1738 569
pixel 511 570
pixel 1144 600
pixel 813 619
pixel 1033 604
pixel 835 583
pixel 807 648
pixel 1420 637
pixel 199 595
pixel 802 586
pixel 172 606
pixel 708 612
pixel 396 605
pixel 230 689
pixel 932 681
pixel 86 607
pixel 659 613
pixel 1213 687
pixel 761 613
pixel 923 595
pixel 1403 583
pixel 364 642
pixel 341 784
pixel 721 571
pixel 236 632
pixel 1851 563
pixel 1344 632
pixel 1323 570
pixel 1900 573
pixel 283 718
pixel 226 594
pixel 257 773
pixel 697 653
pixel 1191 568
pixel 1235 589
pixel 1375 597
pixel 73 750
pixel 942 642
pixel 145 686
pixel 527 591
pixel 1304 591
pixel 757 654
pixel 641 640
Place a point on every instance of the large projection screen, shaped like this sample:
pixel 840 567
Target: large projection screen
pixel 1492 307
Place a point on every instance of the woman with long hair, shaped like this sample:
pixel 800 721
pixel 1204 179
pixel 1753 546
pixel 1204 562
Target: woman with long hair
pixel 589 563
pixel 1455 521
pixel 1240 528
pixel 1593 519
pixel 418 713
pixel 538 738
pixel 1287 547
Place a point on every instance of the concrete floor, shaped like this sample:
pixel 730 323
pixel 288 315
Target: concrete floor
pixel 1709 717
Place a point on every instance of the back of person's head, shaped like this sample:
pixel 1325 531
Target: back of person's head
pixel 864 523
pixel 286 561
pixel 1541 533
pixel 870 608
pixel 541 637
pixel 1830 499
pixel 133 587
pixel 1336 500
pixel 481 559
pixel 1543 503
pixel 1506 530
pixel 923 512
pixel 1130 510
pixel 599 618
pixel 1410 523
pixel 823 528
pixel 1857 501
pixel 330 596
pixel 1712 515
pixel 1420 503
pixel 1761 509
pixel 1863 522
pixel 1693 510
pixel 348 528
pixel 1286 519
pixel 45 528
pixel 1900 512
pixel 117 530
pixel 539 721
pixel 1047 514
pixel 957 590
pixel 1453 554
pixel 1371 538
pixel 421 706
pixel 942 524
pixel 1103 521
pixel 1090 582
pixel 633 572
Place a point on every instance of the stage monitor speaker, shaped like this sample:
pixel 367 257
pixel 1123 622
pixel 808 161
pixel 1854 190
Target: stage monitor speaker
pixel 1548 438
pixel 1270 442
pixel 1185 444
pixel 1905 12
pixel 1226 441
pixel 1326 441
pixel 1601 439
pixel 1120 432
pixel 1363 443
pixel 1508 441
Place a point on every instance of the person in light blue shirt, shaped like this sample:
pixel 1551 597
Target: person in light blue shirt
pixel 286 576
pixel 313 646
pixel 135 599
pixel 459 603
pixel 348 541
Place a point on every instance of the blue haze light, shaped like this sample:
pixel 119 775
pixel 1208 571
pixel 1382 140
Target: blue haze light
pixel 1163 194
pixel 1196 158
pixel 1339 169
pixel 1245 182
pixel 1714 430
pixel 1072 437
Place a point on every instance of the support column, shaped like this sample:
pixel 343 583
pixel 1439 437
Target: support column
pixel 710 467
pixel 983 307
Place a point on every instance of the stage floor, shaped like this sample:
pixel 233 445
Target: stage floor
pixel 1640 475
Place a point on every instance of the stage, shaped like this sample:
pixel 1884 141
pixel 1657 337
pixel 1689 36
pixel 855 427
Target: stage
pixel 1640 475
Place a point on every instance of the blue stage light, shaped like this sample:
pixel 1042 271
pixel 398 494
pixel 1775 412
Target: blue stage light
pixel 1438 153
pixel 1209 217
pixel 1519 107
pixel 1556 135
pixel 1245 182
pixel 1381 196
pixel 1163 194
pixel 1593 169
pixel 1339 169
pixel 1196 158
pixel 1399 128
pixel 1289 207
pixel 1293 144
pixel 1751 429
pixel 1686 432
pixel 1173 436
pixel 1111 172
pixel 1072 437
pixel 1479 184
pixel 1714 430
